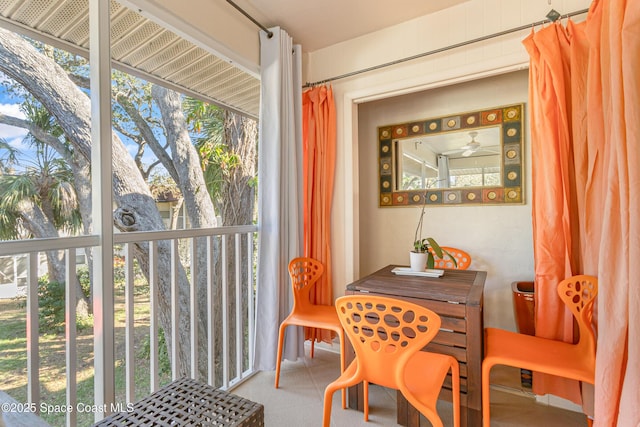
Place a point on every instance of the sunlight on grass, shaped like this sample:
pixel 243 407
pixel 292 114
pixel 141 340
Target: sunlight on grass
pixel 16 353
pixel 53 375
pixel 12 342
pixel 13 354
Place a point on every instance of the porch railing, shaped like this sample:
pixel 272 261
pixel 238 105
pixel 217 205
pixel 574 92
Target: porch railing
pixel 229 318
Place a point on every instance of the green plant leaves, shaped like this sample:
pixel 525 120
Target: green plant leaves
pixel 423 246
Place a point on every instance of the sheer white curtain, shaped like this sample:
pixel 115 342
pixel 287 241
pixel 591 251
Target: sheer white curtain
pixel 279 194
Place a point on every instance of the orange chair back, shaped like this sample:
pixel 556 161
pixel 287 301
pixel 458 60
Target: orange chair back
pixel 463 259
pixel 574 361
pixel 578 293
pixel 304 273
pixel 385 333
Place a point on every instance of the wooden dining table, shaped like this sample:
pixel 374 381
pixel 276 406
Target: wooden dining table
pixel 457 297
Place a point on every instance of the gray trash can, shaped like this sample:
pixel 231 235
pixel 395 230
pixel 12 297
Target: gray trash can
pixel 524 313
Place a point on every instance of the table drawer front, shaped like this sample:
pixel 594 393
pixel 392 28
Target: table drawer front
pixel 450 338
pixel 446 309
pixel 453 323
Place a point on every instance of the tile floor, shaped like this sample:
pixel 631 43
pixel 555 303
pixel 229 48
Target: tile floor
pixel 299 399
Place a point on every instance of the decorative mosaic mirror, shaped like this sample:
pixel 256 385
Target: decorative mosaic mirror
pixel 468 158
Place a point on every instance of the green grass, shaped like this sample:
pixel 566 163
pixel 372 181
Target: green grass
pixel 53 375
pixel 13 354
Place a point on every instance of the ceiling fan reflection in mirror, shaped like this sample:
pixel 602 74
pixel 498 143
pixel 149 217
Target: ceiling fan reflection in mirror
pixel 472 147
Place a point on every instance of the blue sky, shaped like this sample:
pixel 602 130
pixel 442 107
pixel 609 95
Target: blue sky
pixel 9 107
pixel 14 136
pixel 10 134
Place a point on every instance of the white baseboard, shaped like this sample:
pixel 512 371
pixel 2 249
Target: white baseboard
pixel 332 347
pixel 551 400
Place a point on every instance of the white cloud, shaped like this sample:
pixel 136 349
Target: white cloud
pixel 10 132
pixel 18 143
pixel 12 110
pixel 131 148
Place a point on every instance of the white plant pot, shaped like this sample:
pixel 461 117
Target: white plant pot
pixel 418 260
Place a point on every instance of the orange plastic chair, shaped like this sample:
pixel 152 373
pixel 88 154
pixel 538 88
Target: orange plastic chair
pixel 388 336
pixel 304 273
pixel 463 259
pixel 574 361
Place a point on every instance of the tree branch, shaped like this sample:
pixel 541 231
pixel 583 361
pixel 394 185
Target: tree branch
pixel 139 140
pixel 147 134
pixel 80 81
pixel 147 172
pixel 38 133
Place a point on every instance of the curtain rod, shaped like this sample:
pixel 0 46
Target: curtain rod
pixel 251 18
pixel 442 49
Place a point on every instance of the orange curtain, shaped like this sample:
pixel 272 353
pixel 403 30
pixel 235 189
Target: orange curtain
pixel 613 29
pixel 585 131
pixel 319 159
pixel 555 205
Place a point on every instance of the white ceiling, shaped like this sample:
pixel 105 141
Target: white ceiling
pixel 317 24
pixel 452 143
pixel 144 47
pixel 138 46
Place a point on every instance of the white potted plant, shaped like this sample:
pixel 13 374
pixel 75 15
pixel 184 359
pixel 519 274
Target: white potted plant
pixel 420 256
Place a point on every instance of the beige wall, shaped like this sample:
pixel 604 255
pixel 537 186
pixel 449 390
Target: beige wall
pixel 499 238
pixel 366 237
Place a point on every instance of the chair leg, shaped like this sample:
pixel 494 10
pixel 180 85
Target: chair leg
pixel 313 340
pixel 434 419
pixel 342 365
pixel 455 390
pixel 283 326
pixel 347 379
pixel 326 412
pixel 486 413
pixel 328 399
pixel 432 415
pixel 365 388
pixel 589 421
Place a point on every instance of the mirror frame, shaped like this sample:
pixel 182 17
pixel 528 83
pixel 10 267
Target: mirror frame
pixel 510 118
